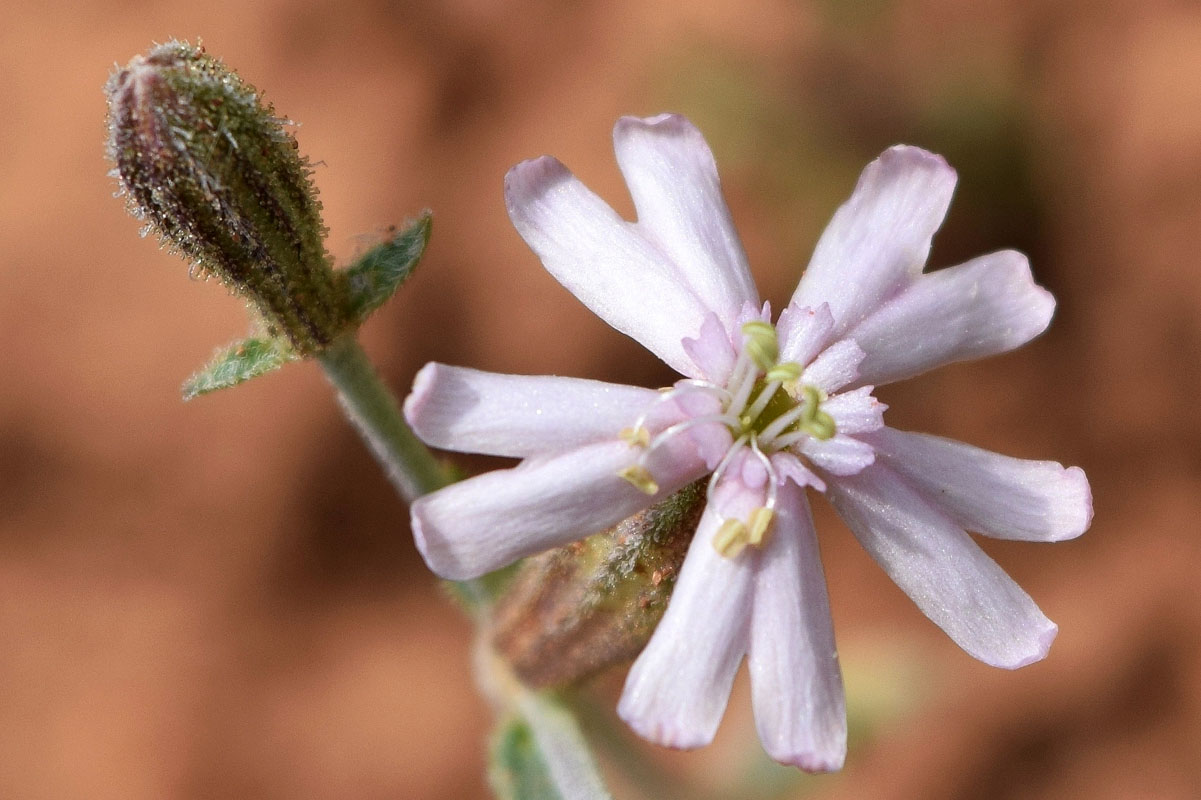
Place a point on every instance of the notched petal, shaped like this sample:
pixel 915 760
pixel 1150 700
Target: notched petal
pixel 878 241
pixel 603 260
pixel 986 306
pixel 673 181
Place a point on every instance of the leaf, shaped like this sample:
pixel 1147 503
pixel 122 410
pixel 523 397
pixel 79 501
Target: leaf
pixel 518 771
pixel 376 276
pixel 238 362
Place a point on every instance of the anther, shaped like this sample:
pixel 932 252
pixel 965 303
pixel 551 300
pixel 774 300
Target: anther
pixel 638 437
pixel 731 538
pixel 821 426
pixel 783 373
pixel 640 478
pixel 814 421
pixel 762 345
pixel 760 522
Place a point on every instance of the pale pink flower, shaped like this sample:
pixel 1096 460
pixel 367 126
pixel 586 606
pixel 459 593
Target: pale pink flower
pixel 767 411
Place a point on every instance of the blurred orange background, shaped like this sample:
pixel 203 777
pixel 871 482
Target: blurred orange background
pixel 222 599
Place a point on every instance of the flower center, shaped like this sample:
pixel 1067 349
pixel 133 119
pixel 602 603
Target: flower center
pixel 766 407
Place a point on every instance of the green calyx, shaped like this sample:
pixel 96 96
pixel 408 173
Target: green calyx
pixel 573 611
pixel 219 178
pixel 216 174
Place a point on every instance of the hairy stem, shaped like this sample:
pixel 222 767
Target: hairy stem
pixel 414 471
pixel 374 412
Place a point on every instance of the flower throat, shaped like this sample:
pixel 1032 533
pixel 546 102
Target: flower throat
pixel 766 408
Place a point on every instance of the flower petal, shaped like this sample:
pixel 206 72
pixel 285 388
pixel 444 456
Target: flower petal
pixel 678 688
pixel 837 366
pixel 878 240
pixel 839 455
pixel 856 411
pixel 803 332
pixel 986 306
pixel 946 574
pixel 470 411
pixel 491 520
pixel 673 182
pixel 603 260
pixel 789 467
pixel 712 351
pixel 989 493
pixel 796 686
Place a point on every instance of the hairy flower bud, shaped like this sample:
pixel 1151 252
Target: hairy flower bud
pixel 217 176
pixel 573 611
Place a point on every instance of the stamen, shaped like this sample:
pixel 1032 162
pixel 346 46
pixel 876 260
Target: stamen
pixel 765 396
pixel 723 465
pixel 788 440
pixel 742 393
pixel 822 426
pixel 780 424
pixel 670 393
pixel 741 364
pixel 812 398
pixel 698 383
pixel 773 477
pixel 691 422
pixel 731 538
pixel 762 344
pixel 788 371
pixel 638 437
pixel 640 478
pixel 761 519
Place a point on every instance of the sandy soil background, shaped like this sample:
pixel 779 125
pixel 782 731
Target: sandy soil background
pixel 221 599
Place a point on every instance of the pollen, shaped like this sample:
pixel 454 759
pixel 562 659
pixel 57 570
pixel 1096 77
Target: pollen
pixel 765 405
pixel 762 344
pixel 760 524
pixel 731 538
pixel 639 436
pixel 640 478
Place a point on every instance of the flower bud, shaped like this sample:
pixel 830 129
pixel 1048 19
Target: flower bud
pixel 571 612
pixel 217 176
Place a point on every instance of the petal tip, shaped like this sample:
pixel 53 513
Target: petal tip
pixel 664 732
pixel 1037 305
pixel 902 149
pixel 811 761
pixel 1042 646
pixel 1078 512
pixel 909 156
pixel 665 121
pixel 530 178
pixel 419 394
pixel 1042 302
pixel 438 557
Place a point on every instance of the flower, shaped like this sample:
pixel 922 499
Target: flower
pixel 767 411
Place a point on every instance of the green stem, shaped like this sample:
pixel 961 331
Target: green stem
pixel 374 412
pixel 414 471
pixel 561 746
